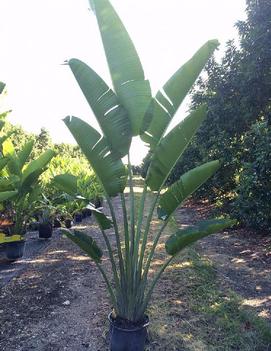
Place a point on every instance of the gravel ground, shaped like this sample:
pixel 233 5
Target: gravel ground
pixel 56 299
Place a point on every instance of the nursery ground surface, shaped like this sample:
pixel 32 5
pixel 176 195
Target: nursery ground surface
pixel 215 297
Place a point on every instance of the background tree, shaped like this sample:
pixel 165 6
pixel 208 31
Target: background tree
pixel 237 91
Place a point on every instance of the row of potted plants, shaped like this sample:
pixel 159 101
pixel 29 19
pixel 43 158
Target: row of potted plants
pixel 23 205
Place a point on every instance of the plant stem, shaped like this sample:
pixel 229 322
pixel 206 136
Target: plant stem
pixel 122 273
pixel 139 224
pixel 154 282
pixel 146 232
pixel 126 233
pixel 112 260
pixel 132 281
pixel 128 259
pixel 132 208
pixel 150 256
pixel 109 287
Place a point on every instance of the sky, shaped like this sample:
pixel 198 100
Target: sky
pixel 36 37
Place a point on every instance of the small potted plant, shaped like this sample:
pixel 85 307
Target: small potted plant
pixel 20 188
pixel 65 216
pixel 131 110
pixel 78 212
pixel 45 224
pixel 86 212
pixel 11 244
pixel 21 191
pixel 57 222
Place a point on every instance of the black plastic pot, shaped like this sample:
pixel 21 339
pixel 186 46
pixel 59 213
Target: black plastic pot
pixel 78 218
pixel 57 223
pixel 98 202
pixel 127 339
pixel 45 230
pixel 86 212
pixel 33 226
pixel 68 223
pixel 14 250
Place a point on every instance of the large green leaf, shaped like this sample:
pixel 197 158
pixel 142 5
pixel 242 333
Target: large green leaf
pixel 2 123
pixel 7 135
pixel 184 187
pixel 6 195
pixel 111 116
pixel 39 164
pixel 30 182
pixel 171 147
pixel 125 67
pixel 66 182
pixel 3 162
pixel 2 87
pixel 13 164
pixel 9 183
pixel 167 101
pixel 122 58
pixel 135 97
pixel 109 169
pixel 86 243
pixel 187 236
pixel 103 221
pixel 24 154
pixel 35 194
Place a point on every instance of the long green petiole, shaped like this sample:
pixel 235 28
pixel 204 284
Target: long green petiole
pixel 121 264
pixel 151 253
pixel 128 259
pixel 138 231
pixel 126 233
pixel 109 287
pixel 146 232
pixel 153 284
pixel 112 260
pixel 132 208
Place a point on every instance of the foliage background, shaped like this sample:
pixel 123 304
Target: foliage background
pixel 237 90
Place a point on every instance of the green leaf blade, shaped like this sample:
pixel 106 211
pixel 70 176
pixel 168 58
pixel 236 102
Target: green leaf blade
pixel 122 57
pixel 7 195
pixel 86 243
pixel 2 87
pixel 66 182
pixel 24 154
pixel 103 221
pixel 108 168
pixel 39 164
pixel 187 236
pixel 167 101
pixel 113 119
pixel 184 187
pixel 3 162
pixel 124 64
pixel 135 96
pixel 171 147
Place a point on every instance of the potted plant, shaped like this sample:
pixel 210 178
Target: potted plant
pixel 90 190
pixel 64 216
pixel 20 190
pixel 46 224
pixel 48 213
pixel 75 200
pixel 13 246
pixel 128 111
pixel 86 212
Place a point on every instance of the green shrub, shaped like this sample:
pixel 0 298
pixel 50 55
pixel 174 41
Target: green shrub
pixel 88 184
pixel 252 205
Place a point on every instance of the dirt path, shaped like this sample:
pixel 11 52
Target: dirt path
pixel 241 258
pixel 59 301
